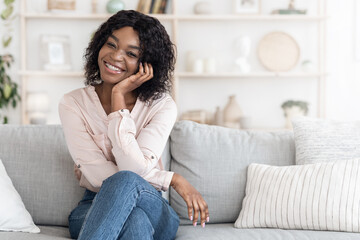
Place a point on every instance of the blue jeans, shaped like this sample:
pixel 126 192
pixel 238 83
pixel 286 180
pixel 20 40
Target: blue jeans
pixel 126 207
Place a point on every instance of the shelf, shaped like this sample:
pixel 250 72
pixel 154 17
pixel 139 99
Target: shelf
pixel 51 74
pixel 189 17
pixel 247 75
pixel 250 17
pixel 73 16
pixel 181 74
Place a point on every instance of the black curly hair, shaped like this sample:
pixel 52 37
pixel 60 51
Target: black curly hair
pixel 156 48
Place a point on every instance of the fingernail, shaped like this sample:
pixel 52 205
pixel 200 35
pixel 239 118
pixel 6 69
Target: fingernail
pixel 195 223
pixel 207 219
pixel 203 225
pixel 191 218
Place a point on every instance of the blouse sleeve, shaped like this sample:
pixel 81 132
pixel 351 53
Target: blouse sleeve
pixel 141 155
pixel 85 153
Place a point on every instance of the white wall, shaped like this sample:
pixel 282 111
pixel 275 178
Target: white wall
pixel 343 92
pixel 259 98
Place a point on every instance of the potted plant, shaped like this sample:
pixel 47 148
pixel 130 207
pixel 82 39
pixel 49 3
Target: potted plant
pixel 9 95
pixel 293 109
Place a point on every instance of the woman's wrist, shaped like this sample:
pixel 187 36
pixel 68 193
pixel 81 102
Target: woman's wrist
pixel 117 101
pixel 173 179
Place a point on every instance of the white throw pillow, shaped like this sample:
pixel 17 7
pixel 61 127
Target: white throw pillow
pixel 319 140
pixel 322 196
pixel 13 215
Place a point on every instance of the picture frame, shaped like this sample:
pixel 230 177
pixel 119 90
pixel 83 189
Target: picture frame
pixel 61 5
pixel 55 52
pixel 247 6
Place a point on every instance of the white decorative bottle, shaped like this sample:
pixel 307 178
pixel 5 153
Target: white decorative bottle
pixel 218 117
pixel 232 113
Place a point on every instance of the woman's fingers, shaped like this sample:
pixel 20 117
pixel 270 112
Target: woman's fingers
pixel 198 207
pixel 141 69
pixel 196 212
pixel 148 73
pixel 204 210
pixel 190 210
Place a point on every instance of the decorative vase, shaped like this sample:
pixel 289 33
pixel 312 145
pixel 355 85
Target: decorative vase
pixel 113 6
pixel 94 6
pixel 218 117
pixel 232 113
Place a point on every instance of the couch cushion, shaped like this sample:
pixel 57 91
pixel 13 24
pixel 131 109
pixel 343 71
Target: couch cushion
pixel 47 233
pixel 40 166
pixel 228 232
pixel 215 159
pixel 319 140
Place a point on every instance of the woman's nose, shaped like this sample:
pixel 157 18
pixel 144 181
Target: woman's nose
pixel 118 55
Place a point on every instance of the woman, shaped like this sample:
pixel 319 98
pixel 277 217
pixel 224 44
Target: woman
pixel 116 129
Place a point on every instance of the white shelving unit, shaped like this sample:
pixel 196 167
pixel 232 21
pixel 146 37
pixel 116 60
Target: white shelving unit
pixel 175 19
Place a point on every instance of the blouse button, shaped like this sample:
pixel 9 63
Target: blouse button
pixel 122 110
pixel 78 165
pixel 152 157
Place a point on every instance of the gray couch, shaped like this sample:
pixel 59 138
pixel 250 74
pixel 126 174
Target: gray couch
pixel 213 159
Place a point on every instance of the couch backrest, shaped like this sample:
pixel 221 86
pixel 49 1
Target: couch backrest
pixel 215 160
pixel 38 162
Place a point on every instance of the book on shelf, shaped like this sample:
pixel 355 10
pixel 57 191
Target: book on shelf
pixel 152 6
pixel 163 6
pixel 156 6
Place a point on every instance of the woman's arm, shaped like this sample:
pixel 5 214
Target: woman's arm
pixel 85 153
pixel 141 154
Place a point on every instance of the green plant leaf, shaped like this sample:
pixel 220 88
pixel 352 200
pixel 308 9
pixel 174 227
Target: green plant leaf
pixel 7 91
pixel 14 103
pixel 7 12
pixel 6 42
pixel 7 2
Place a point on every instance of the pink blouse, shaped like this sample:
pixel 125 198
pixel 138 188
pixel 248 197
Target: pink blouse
pixel 102 144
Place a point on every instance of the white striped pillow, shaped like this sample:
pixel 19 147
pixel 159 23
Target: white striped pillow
pixel 320 196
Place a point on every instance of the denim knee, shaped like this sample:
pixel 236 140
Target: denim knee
pixel 137 226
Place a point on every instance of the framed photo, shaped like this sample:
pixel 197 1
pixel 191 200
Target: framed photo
pixel 55 52
pixel 247 6
pixel 61 5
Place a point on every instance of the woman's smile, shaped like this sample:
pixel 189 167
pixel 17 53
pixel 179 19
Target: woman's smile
pixel 113 69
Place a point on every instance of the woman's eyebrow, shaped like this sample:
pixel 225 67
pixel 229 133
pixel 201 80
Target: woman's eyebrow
pixel 115 38
pixel 134 47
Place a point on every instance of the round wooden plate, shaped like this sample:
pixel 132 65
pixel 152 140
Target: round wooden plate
pixel 278 52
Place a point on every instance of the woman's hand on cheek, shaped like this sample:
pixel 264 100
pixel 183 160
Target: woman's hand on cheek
pixel 129 84
pixel 195 203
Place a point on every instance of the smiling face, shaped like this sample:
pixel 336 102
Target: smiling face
pixel 119 56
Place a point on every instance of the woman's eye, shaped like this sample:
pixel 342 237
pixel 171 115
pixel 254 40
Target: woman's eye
pixel 111 45
pixel 131 54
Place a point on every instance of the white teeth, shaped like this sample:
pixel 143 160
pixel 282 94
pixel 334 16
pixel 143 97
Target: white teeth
pixel 112 67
